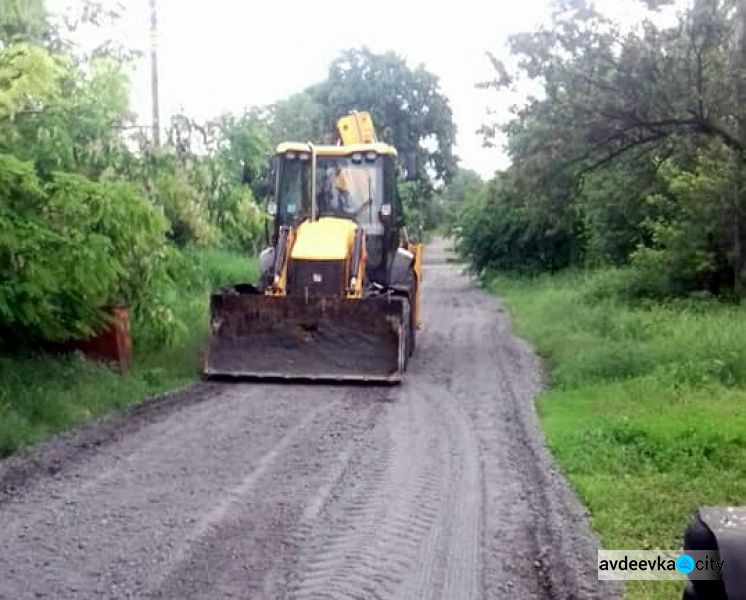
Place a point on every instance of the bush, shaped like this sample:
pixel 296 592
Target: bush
pixel 689 240
pixel 498 231
pixel 174 308
pixel 217 268
pixel 242 222
pixel 183 207
pixel 68 248
pixel 613 206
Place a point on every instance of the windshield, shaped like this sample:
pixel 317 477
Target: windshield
pixel 351 189
pixel 347 188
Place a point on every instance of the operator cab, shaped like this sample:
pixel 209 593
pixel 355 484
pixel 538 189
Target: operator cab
pixel 355 182
pixel 351 187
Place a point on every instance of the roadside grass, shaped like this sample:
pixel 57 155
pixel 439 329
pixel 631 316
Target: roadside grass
pixel 43 395
pixel 645 413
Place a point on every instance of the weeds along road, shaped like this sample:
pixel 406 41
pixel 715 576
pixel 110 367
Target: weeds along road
pixel 438 488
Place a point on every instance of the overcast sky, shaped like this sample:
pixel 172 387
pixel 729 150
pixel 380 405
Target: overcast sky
pixel 224 55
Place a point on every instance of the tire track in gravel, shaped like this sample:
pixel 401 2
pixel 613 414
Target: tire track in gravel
pixel 537 539
pixel 408 531
pixel 440 488
pixel 247 550
pixel 110 523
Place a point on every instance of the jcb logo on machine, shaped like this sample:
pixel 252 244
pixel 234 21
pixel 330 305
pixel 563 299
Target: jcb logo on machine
pixel 317 278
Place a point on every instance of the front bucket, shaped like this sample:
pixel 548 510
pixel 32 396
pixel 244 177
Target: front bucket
pixel 258 336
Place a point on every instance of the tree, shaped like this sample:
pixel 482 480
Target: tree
pixel 465 185
pixel 29 79
pixel 646 94
pixel 22 20
pixel 297 118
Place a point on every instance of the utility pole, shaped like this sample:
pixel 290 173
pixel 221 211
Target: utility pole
pixel 154 73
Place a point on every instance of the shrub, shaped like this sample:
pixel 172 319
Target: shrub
pixel 498 231
pixel 242 222
pixel 68 248
pixel 184 209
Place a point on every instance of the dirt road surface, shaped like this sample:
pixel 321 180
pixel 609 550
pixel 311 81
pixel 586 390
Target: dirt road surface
pixel 438 488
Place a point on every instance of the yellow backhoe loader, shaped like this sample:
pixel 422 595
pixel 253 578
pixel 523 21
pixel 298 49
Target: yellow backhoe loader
pixel 338 296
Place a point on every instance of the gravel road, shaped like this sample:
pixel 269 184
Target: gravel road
pixel 437 488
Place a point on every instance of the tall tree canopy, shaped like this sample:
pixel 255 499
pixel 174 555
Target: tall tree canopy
pixel 607 91
pixel 599 155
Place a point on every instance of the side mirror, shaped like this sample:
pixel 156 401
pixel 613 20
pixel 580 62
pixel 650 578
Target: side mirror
pixel 410 165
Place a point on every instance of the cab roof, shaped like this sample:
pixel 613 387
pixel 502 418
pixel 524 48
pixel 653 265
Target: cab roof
pixel 378 147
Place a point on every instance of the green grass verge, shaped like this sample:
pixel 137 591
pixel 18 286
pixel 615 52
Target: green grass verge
pixel 41 395
pixel 645 413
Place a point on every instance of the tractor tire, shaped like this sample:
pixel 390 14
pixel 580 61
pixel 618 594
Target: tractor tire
pixel 412 287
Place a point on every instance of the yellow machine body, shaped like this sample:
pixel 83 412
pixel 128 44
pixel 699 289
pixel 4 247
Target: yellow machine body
pixel 328 238
pixel 357 128
pixel 417 250
pixel 315 318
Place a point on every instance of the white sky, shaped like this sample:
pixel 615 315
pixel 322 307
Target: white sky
pixel 224 55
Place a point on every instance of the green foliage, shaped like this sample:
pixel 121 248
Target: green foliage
pixel 91 215
pixel 646 406
pixel 243 222
pixel 613 210
pixel 500 230
pixel 689 248
pixel 633 154
pixel 173 314
pixel 69 248
pixel 184 208
pixel 208 195
pixel 63 112
pixel 29 78
pixel 298 118
pixel 22 20
pixel 417 209
pixel 465 187
pixel 217 268
pixel 40 396
pixel 97 100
